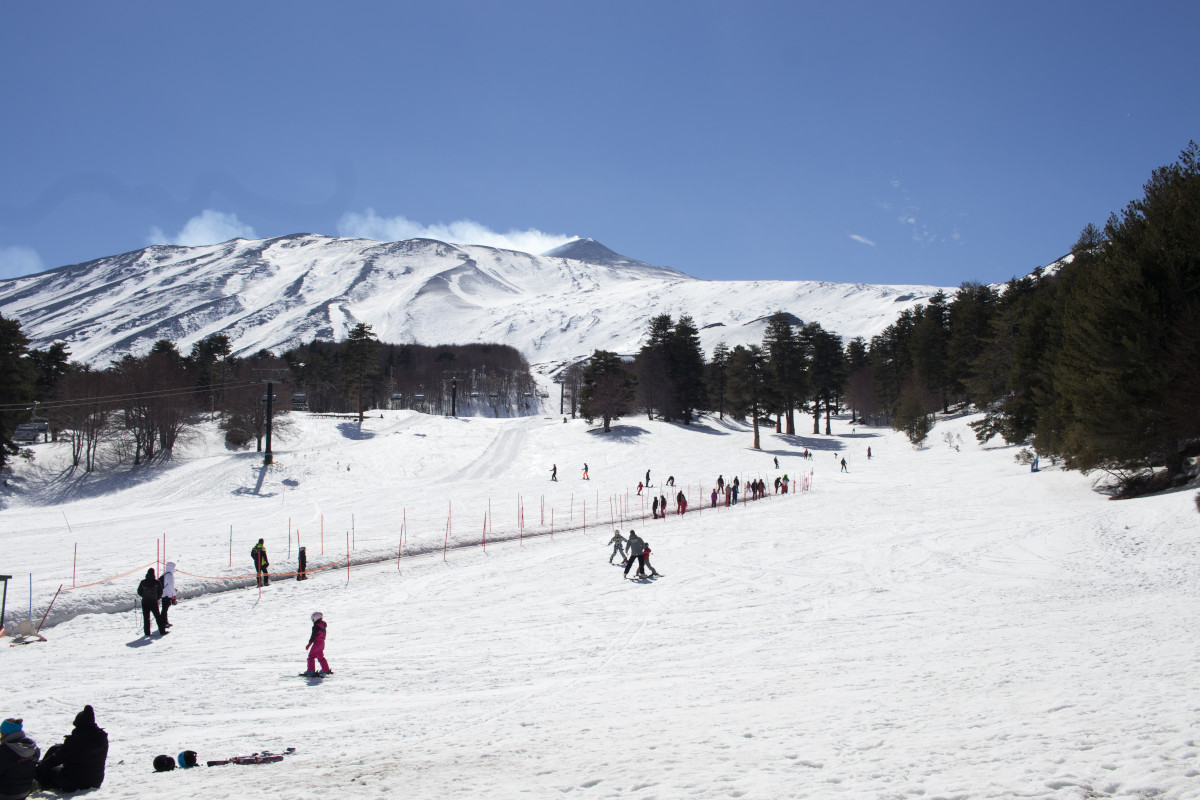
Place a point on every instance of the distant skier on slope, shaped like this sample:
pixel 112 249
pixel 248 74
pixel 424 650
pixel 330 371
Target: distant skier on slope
pixel 316 647
pixel 647 479
pixel 681 502
pixel 303 568
pixel 585 472
pixel 844 466
pixel 654 508
pixel 554 472
pixel 618 543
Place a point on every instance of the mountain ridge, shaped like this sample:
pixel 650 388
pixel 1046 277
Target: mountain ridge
pixel 279 292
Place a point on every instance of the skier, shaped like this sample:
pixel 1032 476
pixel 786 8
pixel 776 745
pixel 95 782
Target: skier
pixel 639 491
pixel 259 554
pixel 844 466
pixel 316 647
pixel 670 480
pixel 654 508
pixel 168 593
pixel 300 573
pixel 785 483
pixel 554 472
pixel 868 452
pixel 681 502
pixel 646 555
pixel 776 462
pixel 777 482
pixel 720 483
pixel 662 505
pixel 18 760
pixel 734 488
pixel 77 763
pixel 150 590
pixel 647 479
pixel 714 498
pixel 585 475
pixel 636 546
pixel 618 543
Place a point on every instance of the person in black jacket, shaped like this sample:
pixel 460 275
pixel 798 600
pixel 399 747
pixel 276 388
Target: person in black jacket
pixel 150 590
pixel 18 761
pixel 259 554
pixel 77 763
pixel 300 573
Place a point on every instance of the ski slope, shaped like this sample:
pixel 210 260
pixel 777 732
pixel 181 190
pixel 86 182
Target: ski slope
pixel 933 623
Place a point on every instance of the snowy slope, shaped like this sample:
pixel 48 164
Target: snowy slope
pixel 930 624
pixel 277 293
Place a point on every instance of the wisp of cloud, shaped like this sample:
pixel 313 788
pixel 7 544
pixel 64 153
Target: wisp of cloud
pixel 208 227
pixel 370 225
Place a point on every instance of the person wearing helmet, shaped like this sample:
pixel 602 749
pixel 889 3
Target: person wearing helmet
pixel 618 543
pixel 316 647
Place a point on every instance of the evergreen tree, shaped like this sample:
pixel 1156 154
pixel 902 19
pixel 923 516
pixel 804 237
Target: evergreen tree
pixel 655 389
pixel 1128 362
pixel 717 372
pixel 827 371
pixel 17 383
pixel 748 384
pixel 685 367
pixel 787 379
pixel 360 363
pixel 608 388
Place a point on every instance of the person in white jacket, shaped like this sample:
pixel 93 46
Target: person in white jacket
pixel 168 591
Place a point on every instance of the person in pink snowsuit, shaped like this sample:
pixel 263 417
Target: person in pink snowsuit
pixel 316 646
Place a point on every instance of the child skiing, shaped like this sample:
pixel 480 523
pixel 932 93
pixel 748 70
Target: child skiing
pixel 646 554
pixel 316 648
pixel 618 543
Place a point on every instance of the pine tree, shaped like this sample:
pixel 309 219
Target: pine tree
pixel 361 363
pixel 748 384
pixel 608 388
pixel 685 367
pixel 787 380
pixel 16 383
pixel 718 375
pixel 1128 362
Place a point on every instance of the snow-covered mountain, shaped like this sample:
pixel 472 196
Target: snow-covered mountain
pixel 277 293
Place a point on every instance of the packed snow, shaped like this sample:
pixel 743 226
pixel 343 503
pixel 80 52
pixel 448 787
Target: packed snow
pixel 931 623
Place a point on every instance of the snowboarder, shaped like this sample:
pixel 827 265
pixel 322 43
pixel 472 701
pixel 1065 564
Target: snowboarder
pixel 618 543
pixel 844 466
pixel 18 760
pixel 150 590
pixel 77 763
pixel 259 554
pixel 646 557
pixel 554 472
pixel 636 547
pixel 168 593
pixel 316 647
pixel 585 475
pixel 654 508
pixel 303 568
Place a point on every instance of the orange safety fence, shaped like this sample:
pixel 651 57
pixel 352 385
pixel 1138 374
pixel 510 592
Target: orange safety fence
pixel 333 565
pixel 113 578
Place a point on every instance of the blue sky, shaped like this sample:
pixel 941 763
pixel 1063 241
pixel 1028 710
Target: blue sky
pixel 865 142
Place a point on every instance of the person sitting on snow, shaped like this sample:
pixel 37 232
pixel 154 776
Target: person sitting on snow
pixel 77 763
pixel 18 760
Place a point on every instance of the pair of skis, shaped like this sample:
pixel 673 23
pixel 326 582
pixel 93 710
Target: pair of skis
pixel 265 757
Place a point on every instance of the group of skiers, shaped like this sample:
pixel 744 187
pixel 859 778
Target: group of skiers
pixel 75 764
pixel 638 550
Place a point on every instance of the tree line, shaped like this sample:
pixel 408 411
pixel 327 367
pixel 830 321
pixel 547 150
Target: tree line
pixel 139 407
pixel 1096 363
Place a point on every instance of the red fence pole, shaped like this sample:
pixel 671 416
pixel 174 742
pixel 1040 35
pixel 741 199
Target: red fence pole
pixel 74 561
pixel 43 622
